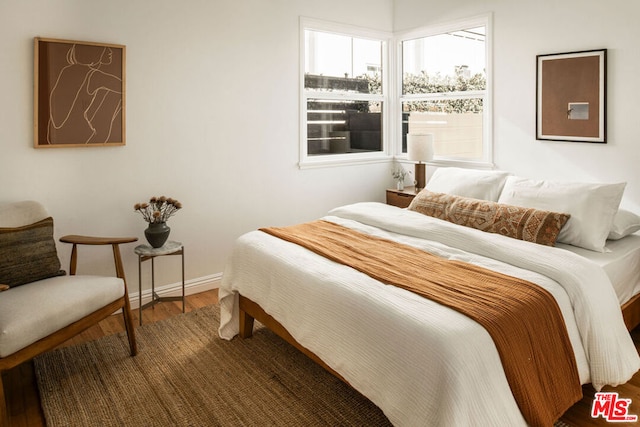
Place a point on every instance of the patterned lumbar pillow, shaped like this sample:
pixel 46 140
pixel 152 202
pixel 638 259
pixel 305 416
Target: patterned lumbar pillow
pixel 28 253
pixel 528 224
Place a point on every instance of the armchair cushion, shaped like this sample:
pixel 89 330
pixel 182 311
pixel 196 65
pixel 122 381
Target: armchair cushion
pixel 28 253
pixel 29 313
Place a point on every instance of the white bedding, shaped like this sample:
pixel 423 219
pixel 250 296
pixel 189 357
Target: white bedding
pixel 621 262
pixel 420 362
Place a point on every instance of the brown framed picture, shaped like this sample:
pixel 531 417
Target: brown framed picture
pixel 571 96
pixel 79 93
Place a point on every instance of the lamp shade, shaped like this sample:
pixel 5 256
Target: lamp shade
pixel 420 146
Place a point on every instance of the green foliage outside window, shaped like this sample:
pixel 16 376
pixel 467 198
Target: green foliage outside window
pixel 428 84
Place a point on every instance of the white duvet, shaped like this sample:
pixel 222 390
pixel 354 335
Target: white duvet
pixel 420 362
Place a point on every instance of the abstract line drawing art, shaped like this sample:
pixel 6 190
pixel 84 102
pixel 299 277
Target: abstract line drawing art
pixel 79 93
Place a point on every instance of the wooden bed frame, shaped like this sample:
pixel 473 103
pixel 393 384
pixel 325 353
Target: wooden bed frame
pixel 631 312
pixel 250 311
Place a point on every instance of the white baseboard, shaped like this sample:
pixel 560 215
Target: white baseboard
pixel 191 287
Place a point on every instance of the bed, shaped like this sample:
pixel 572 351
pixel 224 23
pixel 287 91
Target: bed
pixel 423 363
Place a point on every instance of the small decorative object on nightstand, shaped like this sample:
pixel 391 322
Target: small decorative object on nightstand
pixel 146 252
pixel 401 198
pixel 399 174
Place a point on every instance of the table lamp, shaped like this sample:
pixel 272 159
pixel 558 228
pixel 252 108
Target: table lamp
pixel 420 149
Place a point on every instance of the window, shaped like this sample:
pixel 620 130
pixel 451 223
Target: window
pixel 442 85
pixel 445 90
pixel 343 94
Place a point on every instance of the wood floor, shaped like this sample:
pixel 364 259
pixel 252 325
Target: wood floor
pixel 24 403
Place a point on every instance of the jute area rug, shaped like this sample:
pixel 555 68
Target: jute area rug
pixel 184 375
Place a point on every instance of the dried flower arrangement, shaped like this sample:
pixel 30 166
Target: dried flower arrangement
pixel 159 209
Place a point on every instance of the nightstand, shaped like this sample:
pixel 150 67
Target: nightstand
pixel 401 198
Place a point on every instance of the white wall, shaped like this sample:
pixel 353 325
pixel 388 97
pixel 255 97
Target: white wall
pixel 212 120
pixel 212 112
pixel 524 29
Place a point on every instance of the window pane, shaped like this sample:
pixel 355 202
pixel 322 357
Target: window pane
pixel 448 62
pixel 338 126
pixel 335 62
pixel 456 125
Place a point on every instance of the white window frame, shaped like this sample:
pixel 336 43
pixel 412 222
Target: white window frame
pixel 307 161
pixel 487 138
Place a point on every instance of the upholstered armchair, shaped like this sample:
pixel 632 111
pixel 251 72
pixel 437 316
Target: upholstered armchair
pixel 41 306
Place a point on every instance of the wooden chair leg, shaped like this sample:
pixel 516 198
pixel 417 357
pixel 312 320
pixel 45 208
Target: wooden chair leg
pixel 4 411
pixel 129 326
pixel 126 310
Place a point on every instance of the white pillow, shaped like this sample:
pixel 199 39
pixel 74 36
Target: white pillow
pixel 592 206
pixel 624 223
pixel 477 184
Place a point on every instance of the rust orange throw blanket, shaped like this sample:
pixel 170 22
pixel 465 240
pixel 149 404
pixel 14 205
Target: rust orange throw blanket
pixel 522 318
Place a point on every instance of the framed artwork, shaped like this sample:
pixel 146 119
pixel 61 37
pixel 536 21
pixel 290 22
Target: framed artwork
pixel 79 94
pixel 571 96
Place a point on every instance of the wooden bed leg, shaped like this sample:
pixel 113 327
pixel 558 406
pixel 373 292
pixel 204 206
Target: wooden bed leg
pixel 631 312
pixel 246 325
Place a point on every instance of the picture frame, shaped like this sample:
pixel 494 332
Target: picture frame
pixel 79 93
pixel 571 96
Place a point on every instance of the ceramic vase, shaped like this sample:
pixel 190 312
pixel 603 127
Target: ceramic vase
pixel 157 234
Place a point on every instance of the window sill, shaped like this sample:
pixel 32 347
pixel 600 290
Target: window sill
pixel 343 160
pixel 469 164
